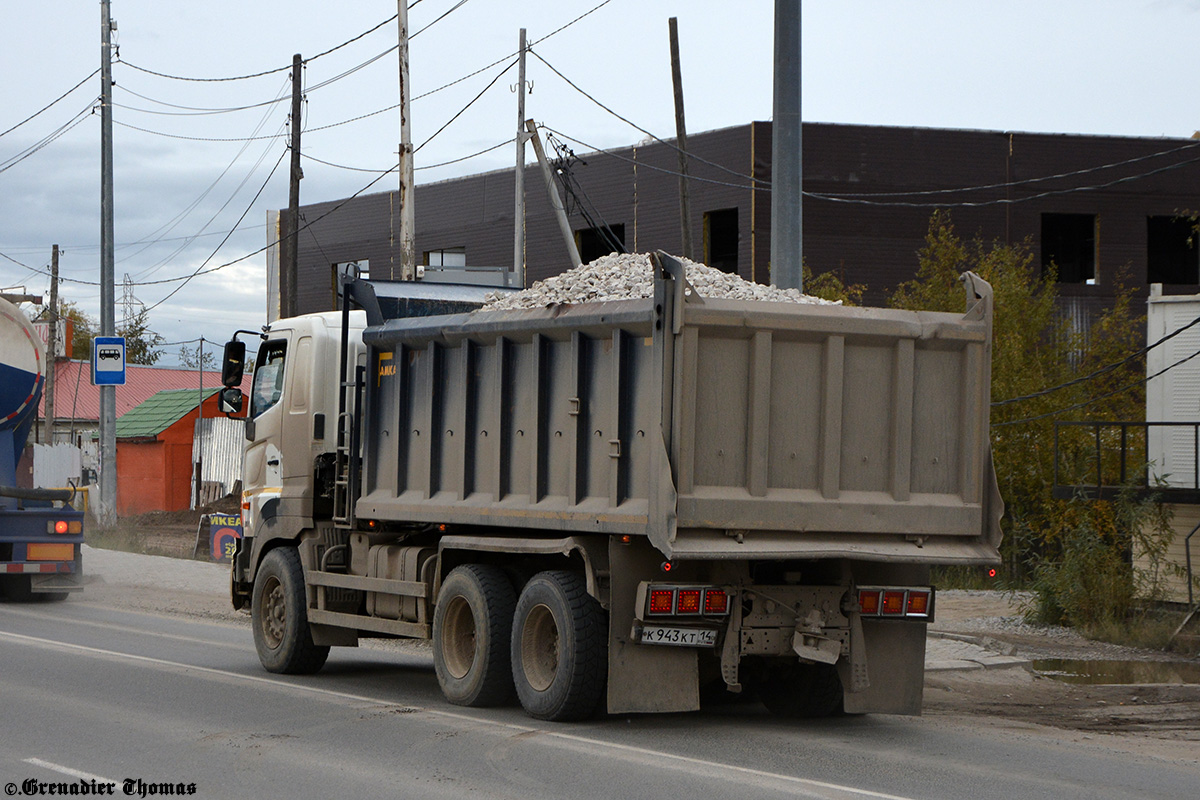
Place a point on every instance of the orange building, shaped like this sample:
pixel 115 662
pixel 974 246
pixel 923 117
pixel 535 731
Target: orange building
pixel 154 450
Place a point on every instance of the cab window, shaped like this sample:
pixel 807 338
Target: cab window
pixel 268 377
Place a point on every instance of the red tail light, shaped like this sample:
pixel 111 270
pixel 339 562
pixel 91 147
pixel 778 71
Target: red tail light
pixel 914 603
pixel 688 601
pixel 868 599
pixel 893 603
pixel 716 601
pixel 918 603
pixel 662 601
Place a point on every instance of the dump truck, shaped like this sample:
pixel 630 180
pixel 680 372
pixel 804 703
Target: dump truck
pixel 40 533
pixel 615 506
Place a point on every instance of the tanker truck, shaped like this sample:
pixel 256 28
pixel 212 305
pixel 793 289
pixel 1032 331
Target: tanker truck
pixel 40 533
pixel 614 505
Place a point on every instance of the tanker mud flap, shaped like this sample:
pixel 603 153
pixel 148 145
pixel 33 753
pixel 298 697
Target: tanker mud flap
pixel 643 679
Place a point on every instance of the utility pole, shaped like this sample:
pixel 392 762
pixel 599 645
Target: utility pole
pixel 106 508
pixel 408 217
pixel 786 183
pixel 519 175
pixel 685 205
pixel 551 189
pixel 289 229
pixel 52 346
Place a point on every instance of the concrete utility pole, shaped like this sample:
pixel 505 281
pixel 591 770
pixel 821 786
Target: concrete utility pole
pixel 519 174
pixel 52 346
pixel 289 233
pixel 106 508
pixel 685 204
pixel 560 213
pixel 786 179
pixel 408 217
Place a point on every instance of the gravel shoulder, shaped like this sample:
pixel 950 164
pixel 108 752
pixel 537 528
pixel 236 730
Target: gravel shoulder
pixel 977 657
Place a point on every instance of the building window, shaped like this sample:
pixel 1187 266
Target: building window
pixel 721 239
pixel 1171 250
pixel 596 242
pixel 1069 243
pixel 446 257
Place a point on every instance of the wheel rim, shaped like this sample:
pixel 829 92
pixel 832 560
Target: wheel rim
pixel 274 612
pixel 539 647
pixel 458 637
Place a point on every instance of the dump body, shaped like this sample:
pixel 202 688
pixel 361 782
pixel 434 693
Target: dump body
pixel 747 491
pixel 736 430
pixel 40 536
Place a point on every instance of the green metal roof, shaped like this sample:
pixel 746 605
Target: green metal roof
pixel 159 412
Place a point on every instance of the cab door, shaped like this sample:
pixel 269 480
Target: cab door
pixel 263 467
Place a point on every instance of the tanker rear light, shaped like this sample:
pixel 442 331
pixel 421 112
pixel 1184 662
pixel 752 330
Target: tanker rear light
pixel 896 603
pixel 61 526
pixel 690 601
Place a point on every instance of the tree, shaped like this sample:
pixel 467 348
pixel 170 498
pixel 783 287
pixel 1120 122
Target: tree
pixel 189 357
pixel 1034 347
pixel 84 327
pixel 142 345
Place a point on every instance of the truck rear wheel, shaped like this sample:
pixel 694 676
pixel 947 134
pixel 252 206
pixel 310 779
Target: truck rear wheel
pixel 801 690
pixel 279 616
pixel 559 648
pixel 471 628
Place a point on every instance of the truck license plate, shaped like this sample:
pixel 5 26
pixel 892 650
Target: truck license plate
pixel 681 637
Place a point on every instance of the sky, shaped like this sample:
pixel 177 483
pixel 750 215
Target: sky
pixel 193 159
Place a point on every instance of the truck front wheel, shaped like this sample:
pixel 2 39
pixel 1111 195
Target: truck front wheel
pixel 559 648
pixel 279 616
pixel 471 628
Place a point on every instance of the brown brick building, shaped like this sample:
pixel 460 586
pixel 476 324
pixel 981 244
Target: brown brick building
pixel 1098 206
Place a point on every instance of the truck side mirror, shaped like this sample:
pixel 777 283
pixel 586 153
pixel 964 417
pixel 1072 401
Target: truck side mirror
pixel 233 366
pixel 231 400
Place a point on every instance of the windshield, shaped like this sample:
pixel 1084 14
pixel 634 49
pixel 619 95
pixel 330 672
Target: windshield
pixel 268 377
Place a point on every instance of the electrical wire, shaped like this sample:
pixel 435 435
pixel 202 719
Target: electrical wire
pixel 462 110
pixel 264 72
pixel 199 138
pixel 453 8
pixel 51 104
pixel 499 61
pixel 12 161
pixel 187 111
pixel 1102 371
pixel 200 269
pixel 627 121
pixel 1097 398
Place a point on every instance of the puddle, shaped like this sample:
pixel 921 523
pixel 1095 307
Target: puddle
pixel 1124 672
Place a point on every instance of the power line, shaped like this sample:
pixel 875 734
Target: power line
pixel 1102 371
pixel 462 110
pixel 199 138
pixel 691 156
pixel 453 8
pixel 264 72
pixel 48 139
pixel 216 250
pixel 497 146
pixel 51 104
pixel 1098 398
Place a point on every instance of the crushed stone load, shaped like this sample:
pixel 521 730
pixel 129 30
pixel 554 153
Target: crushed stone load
pixel 626 276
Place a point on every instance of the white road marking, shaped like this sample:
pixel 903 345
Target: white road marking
pixel 73 773
pixel 112 626
pixel 638 753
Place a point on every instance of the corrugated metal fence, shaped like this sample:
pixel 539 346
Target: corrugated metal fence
pixel 217 449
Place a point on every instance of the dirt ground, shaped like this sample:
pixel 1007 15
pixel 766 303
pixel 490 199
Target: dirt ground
pixel 1160 719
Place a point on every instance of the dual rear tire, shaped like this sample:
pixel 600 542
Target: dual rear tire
pixel 548 646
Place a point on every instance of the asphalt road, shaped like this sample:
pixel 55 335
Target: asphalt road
pixel 93 693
